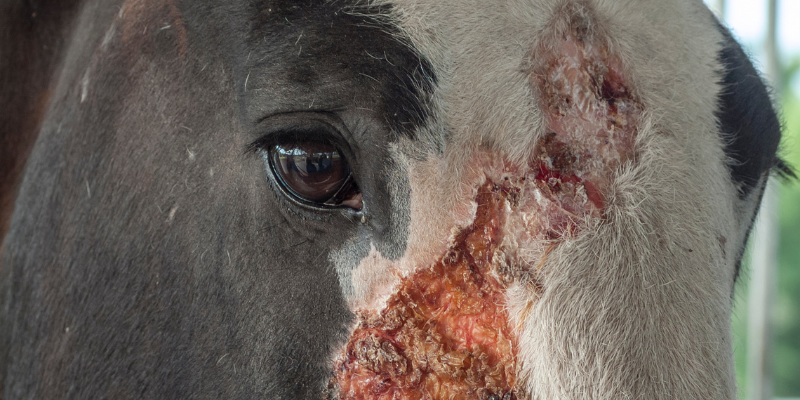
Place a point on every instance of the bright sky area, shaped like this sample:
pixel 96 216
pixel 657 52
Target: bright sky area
pixel 748 20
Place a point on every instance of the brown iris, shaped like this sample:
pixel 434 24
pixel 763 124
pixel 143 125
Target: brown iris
pixel 314 172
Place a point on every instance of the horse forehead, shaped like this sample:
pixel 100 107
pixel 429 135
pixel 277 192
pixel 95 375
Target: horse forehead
pixel 138 15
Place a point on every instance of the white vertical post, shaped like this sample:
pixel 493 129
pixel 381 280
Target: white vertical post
pixel 760 299
pixel 718 6
pixel 764 255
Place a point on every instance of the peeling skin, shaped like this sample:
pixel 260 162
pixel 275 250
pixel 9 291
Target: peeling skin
pixel 441 329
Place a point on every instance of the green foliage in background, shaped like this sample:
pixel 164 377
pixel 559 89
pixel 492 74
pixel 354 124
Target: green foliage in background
pixel 786 311
pixel 787 306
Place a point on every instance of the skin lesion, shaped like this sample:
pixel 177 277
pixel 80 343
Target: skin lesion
pixel 591 116
pixel 444 334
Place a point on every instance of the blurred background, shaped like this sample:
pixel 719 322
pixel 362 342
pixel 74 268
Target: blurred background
pixel 766 317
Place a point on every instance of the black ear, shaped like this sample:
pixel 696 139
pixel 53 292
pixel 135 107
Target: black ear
pixel 747 119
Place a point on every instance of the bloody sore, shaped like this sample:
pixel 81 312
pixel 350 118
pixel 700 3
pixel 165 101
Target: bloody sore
pixel 444 334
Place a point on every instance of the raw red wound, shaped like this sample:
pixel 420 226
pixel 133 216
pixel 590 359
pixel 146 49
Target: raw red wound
pixel 444 333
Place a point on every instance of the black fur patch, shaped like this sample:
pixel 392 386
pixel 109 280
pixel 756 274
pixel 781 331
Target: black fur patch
pixel 359 41
pixel 750 125
pixel 746 116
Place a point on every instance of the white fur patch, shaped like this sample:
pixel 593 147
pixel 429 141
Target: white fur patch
pixel 636 303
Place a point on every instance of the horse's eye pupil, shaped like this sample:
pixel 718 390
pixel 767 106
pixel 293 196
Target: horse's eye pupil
pixel 312 171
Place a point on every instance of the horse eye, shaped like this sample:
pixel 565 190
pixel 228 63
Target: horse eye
pixel 314 172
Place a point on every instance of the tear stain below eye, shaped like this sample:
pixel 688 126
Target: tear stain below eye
pixel 444 333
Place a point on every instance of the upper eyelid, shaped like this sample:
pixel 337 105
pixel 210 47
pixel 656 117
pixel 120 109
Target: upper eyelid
pixel 288 121
pixel 275 137
pixel 308 125
pixel 327 112
pixel 311 132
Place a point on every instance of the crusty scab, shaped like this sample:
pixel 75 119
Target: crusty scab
pixel 445 331
pixel 591 120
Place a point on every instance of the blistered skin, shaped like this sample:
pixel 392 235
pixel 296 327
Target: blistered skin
pixel 445 332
